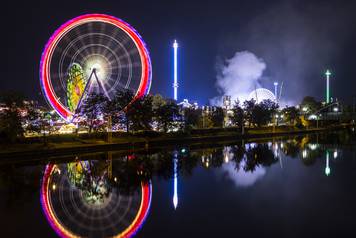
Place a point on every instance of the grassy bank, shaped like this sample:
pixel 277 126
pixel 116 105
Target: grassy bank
pixel 56 145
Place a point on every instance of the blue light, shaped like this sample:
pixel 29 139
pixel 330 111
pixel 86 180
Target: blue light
pixel 175 185
pixel 175 84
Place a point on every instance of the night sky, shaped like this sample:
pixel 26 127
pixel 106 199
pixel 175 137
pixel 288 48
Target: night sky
pixel 297 40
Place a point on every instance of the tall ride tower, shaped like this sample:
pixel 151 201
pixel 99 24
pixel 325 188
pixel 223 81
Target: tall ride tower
pixel 327 74
pixel 175 76
pixel 276 91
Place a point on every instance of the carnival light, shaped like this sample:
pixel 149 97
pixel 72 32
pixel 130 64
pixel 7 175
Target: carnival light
pixel 114 49
pixel 175 76
pixel 175 180
pixel 327 167
pixel 261 94
pixel 335 155
pixel 304 154
pixel 63 231
pixel 327 74
pixel 276 91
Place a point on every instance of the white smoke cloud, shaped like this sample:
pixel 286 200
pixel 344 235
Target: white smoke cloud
pixel 239 76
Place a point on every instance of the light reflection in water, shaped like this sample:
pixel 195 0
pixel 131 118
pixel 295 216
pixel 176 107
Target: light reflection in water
pixel 242 178
pixel 245 164
pixel 175 179
pixel 327 167
pixel 83 201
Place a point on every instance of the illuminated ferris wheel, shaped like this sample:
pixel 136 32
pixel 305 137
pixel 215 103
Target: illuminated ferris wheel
pixel 261 94
pixel 93 53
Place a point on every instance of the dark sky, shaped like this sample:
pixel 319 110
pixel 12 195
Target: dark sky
pixel 297 40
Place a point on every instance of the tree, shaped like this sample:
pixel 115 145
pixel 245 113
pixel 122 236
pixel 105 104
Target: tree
pixel 36 120
pixel 290 114
pixel 120 106
pixel 217 117
pixel 93 110
pixel 134 113
pixel 248 107
pixel 192 117
pixel 157 101
pixel 263 112
pixel 167 115
pixel 140 113
pixel 11 119
pixel 309 104
pixel 237 117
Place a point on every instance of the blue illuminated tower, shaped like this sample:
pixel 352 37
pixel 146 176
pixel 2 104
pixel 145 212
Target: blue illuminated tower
pixel 175 76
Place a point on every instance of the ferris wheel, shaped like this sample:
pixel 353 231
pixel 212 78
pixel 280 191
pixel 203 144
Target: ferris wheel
pixel 93 53
pixel 261 94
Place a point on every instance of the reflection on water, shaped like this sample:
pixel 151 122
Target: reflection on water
pixel 80 199
pixel 175 179
pixel 109 194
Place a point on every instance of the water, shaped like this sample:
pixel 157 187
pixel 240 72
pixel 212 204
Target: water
pixel 289 187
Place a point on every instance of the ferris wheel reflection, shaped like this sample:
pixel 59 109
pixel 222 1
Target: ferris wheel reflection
pixel 84 199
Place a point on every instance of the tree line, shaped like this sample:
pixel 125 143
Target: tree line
pixel 129 113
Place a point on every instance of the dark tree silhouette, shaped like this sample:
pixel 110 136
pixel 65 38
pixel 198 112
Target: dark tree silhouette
pixel 217 117
pixel 92 109
pixel 167 115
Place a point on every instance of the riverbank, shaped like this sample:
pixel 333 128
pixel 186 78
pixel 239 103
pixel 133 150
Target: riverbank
pixel 60 145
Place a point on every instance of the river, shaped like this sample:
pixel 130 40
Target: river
pixel 300 186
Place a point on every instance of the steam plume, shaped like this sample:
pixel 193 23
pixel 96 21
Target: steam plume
pixel 238 76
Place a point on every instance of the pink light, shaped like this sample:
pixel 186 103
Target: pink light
pixel 47 88
pixel 63 232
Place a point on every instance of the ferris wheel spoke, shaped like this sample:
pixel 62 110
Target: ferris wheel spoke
pixel 101 37
pixel 128 66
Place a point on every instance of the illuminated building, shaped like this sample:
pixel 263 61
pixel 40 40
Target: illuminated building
pixel 186 104
pixel 227 102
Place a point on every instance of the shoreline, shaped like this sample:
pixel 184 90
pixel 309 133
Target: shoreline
pixel 144 143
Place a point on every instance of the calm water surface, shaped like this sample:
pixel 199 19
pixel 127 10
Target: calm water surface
pixel 291 187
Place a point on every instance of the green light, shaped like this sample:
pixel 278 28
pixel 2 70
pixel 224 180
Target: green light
pixel 327 73
pixel 327 167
